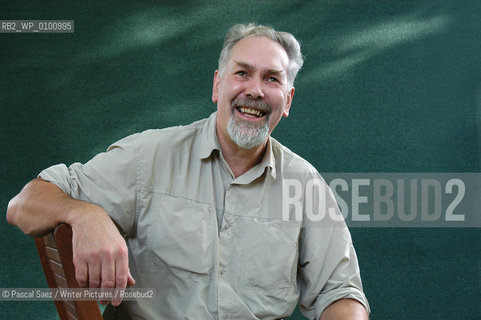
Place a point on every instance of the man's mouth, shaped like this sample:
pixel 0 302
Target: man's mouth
pixel 251 112
pixel 249 108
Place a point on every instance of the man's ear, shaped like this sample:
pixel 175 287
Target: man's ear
pixel 290 96
pixel 215 86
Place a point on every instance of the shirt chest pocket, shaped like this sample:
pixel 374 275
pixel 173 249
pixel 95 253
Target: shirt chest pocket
pixel 179 235
pixel 267 251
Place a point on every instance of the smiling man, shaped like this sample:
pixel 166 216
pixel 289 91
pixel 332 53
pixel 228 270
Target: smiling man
pixel 252 92
pixel 201 207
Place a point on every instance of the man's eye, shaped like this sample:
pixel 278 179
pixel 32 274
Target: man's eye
pixel 272 79
pixel 241 73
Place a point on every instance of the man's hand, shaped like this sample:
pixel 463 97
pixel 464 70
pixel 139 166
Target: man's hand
pixel 100 254
pixel 99 251
pixel 345 309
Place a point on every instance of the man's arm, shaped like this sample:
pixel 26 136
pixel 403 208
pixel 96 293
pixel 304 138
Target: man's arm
pixel 99 251
pixel 345 309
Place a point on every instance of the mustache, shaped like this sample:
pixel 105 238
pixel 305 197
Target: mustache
pixel 252 103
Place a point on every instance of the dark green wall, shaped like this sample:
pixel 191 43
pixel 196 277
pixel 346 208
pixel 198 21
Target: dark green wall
pixel 388 86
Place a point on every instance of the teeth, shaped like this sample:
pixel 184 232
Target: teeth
pixel 253 112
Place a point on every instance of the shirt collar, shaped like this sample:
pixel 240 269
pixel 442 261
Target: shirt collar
pixel 269 160
pixel 210 143
pixel 209 137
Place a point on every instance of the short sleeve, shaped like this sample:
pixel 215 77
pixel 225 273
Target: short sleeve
pixel 109 180
pixel 328 264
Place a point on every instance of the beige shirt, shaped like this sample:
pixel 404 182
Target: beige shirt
pixel 215 246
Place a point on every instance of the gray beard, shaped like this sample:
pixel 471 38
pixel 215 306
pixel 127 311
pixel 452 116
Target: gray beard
pixel 245 134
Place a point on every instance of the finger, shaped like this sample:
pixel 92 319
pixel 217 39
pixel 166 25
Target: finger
pixel 130 280
pixel 81 273
pixel 107 278
pixel 94 275
pixel 121 277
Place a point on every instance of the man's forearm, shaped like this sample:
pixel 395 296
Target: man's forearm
pixel 40 206
pixel 345 309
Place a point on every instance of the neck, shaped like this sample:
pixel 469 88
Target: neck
pixel 240 160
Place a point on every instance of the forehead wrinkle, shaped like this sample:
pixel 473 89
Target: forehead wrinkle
pixel 251 67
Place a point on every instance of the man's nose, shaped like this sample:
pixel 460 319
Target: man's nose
pixel 254 88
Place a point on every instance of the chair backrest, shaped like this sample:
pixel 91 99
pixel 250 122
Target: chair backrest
pixel 55 251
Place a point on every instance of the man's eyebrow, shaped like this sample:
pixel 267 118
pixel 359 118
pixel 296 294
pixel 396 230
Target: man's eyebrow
pixel 251 67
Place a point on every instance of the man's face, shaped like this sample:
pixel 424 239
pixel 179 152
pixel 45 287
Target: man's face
pixel 253 94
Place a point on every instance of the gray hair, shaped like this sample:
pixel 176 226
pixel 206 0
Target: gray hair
pixel 285 39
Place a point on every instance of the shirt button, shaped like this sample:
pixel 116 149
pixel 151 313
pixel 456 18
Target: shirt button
pixel 226 226
pixel 226 316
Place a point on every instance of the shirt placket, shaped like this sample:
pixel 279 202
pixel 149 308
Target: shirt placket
pixel 225 299
pixel 229 306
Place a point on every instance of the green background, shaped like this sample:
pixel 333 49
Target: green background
pixel 387 86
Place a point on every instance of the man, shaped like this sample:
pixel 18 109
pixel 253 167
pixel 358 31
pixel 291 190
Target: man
pixel 201 206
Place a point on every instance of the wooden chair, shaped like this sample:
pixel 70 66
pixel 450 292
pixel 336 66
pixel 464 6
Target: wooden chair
pixel 55 251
